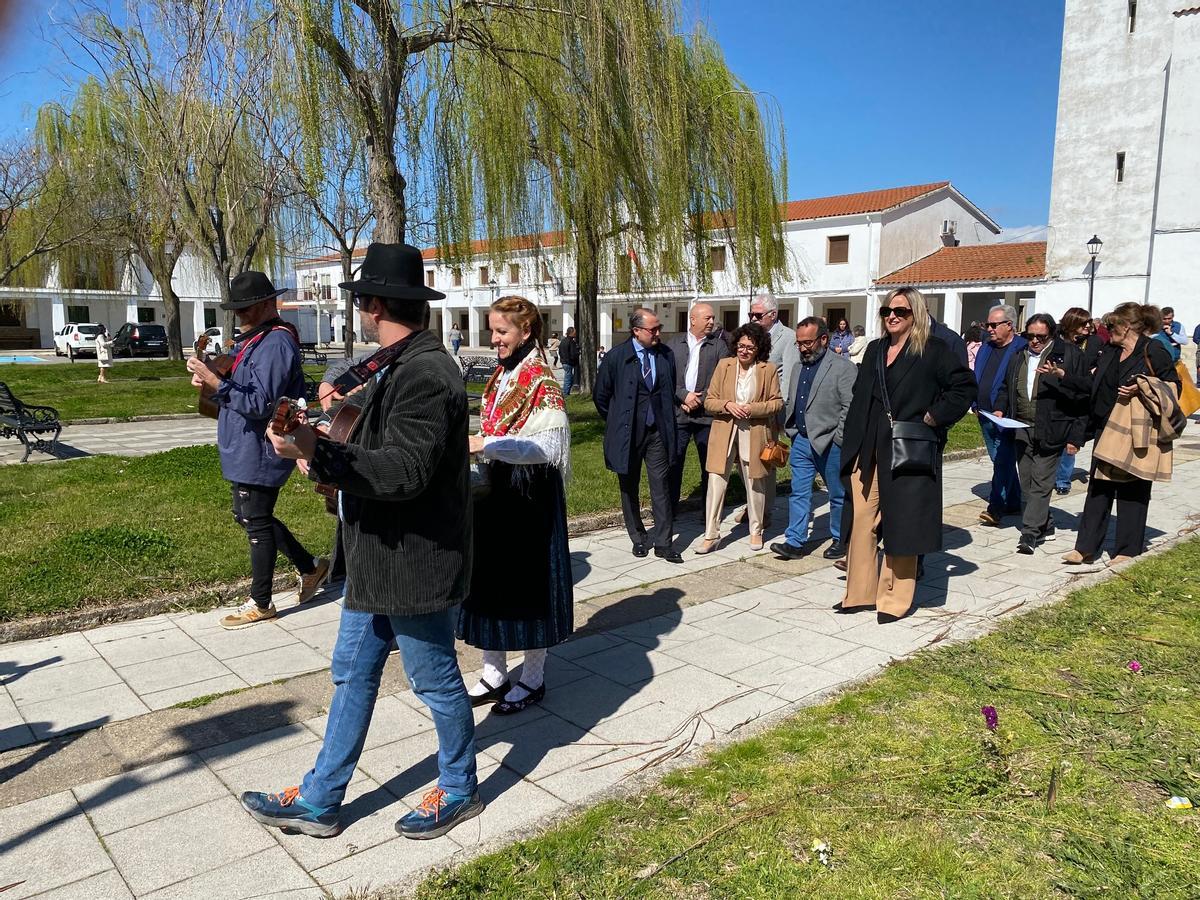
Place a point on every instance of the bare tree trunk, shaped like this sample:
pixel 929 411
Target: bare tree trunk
pixel 350 321
pixel 385 187
pixel 161 274
pixel 228 319
pixel 587 305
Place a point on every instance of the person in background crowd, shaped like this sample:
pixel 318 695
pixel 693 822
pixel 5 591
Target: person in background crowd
pixel 1110 390
pixel 1034 394
pixel 815 415
pixel 103 355
pixel 1171 335
pixel 600 354
pixel 1196 341
pixel 405 507
pixel 525 441
pixel 744 401
pixel 841 338
pixel 858 346
pixel 764 311
pixel 552 350
pixel 990 365
pixel 1075 328
pixel 1101 331
pixel 635 396
pixel 568 352
pixel 455 339
pixel 266 367
pixel 696 354
pixel 925 382
pixel 973 338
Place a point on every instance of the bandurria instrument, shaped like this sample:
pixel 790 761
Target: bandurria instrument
pixel 291 414
pixel 224 365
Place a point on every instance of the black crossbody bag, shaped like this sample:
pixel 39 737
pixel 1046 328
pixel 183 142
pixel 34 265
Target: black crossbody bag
pixel 914 444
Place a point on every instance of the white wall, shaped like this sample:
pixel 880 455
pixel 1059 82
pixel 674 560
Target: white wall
pixel 914 230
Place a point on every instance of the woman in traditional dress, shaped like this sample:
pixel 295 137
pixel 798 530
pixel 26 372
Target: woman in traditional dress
pixel 521 590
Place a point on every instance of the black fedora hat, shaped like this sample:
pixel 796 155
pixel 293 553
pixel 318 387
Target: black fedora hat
pixel 392 270
pixel 249 288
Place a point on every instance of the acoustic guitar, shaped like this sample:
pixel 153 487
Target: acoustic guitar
pixel 223 365
pixel 291 414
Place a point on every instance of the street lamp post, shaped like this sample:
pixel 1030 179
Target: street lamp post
pixel 1093 249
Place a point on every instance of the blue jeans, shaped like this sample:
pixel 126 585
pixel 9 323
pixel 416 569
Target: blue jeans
pixel 454 345
pixel 807 462
pixel 1005 496
pixel 1066 468
pixel 568 378
pixel 427 646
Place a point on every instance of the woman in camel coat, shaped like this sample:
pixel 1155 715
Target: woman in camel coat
pixel 744 400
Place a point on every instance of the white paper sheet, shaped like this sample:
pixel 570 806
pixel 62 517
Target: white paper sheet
pixel 1002 422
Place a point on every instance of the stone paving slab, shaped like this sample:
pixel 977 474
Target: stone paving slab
pixel 658 669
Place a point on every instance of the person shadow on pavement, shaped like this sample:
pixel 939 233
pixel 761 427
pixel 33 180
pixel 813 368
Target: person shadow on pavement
pixel 595 675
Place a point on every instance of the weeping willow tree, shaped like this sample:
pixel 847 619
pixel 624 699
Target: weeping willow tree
pixel 107 135
pixel 197 72
pixel 593 117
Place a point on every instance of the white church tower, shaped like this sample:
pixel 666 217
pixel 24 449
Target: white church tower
pixel 1127 158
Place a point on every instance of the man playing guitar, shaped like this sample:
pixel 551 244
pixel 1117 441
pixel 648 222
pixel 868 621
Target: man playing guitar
pixel 266 366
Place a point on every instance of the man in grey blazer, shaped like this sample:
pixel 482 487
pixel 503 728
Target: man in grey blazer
pixel 697 352
pixel 818 398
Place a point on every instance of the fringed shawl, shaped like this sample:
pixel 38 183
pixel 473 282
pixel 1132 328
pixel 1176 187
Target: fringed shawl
pixel 532 404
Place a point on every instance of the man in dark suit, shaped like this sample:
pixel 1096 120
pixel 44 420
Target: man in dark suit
pixel 635 395
pixel 696 353
pixel 405 509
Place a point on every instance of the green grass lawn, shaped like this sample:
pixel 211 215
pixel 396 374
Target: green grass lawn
pixel 912 794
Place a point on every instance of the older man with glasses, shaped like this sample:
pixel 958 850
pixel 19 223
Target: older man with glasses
pixel 1034 393
pixel 991 364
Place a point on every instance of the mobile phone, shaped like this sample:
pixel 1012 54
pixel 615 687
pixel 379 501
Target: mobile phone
pixel 1056 359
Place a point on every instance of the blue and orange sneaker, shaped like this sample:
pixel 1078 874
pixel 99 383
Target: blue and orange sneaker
pixel 291 812
pixel 438 813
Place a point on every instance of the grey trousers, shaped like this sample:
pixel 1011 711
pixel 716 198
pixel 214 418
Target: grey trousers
pixel 1036 468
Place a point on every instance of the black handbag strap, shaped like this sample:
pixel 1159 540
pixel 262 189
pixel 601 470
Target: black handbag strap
pixel 887 403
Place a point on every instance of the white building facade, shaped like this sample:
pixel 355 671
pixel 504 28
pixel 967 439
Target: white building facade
pixel 837 248
pixel 1127 157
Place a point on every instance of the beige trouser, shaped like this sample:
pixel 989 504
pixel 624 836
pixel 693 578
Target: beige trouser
pixel 739 449
pixel 889 589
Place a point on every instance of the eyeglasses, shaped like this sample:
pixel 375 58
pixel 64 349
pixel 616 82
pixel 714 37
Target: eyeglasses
pixel 992 326
pixel 808 345
pixel 749 348
pixel 754 317
pixel 900 312
pixel 1036 338
pixel 655 330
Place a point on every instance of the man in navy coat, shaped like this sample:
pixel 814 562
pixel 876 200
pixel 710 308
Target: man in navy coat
pixel 635 395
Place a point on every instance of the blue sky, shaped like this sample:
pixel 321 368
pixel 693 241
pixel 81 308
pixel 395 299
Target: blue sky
pixel 873 93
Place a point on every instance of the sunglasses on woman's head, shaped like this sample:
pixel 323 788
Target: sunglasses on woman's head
pixel 900 312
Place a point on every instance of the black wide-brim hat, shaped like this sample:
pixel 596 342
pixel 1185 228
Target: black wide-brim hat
pixel 250 288
pixel 392 270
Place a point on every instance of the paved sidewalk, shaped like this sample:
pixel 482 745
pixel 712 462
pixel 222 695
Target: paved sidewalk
pixel 672 657
pixel 119 439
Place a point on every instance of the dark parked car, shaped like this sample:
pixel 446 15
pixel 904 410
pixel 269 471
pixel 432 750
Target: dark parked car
pixel 140 340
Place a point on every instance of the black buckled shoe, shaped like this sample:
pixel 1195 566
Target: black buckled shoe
pixel 494 694
pixel 535 695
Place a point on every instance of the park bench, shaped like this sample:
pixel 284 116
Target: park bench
pixel 28 423
pixel 314 358
pixel 477 369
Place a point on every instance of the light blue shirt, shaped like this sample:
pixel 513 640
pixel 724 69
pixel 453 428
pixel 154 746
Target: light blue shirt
pixel 642 353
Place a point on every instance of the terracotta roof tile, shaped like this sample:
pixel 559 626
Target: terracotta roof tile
pixel 856 204
pixel 977 262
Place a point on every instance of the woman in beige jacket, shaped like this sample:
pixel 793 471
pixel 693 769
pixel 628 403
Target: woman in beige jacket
pixel 744 399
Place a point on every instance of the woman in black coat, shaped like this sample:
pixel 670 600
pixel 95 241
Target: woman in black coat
pixel 1133 352
pixel 927 383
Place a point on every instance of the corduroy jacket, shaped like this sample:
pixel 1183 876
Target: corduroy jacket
pixel 406 505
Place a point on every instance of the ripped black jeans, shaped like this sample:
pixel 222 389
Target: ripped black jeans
pixel 254 510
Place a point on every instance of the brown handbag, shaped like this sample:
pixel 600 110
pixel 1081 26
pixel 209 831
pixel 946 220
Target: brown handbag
pixel 775 452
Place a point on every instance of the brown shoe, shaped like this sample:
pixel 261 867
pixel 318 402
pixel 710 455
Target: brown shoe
pixel 988 519
pixel 841 565
pixel 311 583
pixel 249 613
pixel 709 545
pixel 1075 558
pixel 1118 560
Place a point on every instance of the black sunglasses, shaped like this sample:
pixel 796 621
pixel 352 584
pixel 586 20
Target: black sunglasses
pixel 754 317
pixel 900 312
pixel 1040 338
pixel 991 326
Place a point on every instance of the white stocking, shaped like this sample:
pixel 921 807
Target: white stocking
pixel 533 673
pixel 495 672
